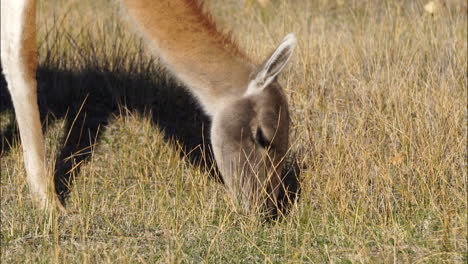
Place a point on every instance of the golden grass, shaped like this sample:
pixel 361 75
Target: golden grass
pixel 378 100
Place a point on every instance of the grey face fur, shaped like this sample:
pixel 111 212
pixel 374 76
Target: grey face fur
pixel 250 135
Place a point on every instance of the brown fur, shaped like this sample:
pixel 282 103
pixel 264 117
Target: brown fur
pixel 28 43
pixel 188 41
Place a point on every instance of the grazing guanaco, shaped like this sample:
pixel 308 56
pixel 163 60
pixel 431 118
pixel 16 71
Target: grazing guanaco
pixel 249 110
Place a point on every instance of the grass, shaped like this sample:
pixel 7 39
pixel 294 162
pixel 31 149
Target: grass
pixel 378 100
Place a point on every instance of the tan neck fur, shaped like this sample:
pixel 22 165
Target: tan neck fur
pixel 186 39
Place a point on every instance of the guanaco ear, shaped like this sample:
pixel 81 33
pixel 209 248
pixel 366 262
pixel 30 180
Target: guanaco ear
pixel 273 65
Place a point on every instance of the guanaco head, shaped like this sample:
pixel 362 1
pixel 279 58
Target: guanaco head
pixel 250 134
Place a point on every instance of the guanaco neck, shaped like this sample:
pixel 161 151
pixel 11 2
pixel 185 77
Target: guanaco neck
pixel 208 62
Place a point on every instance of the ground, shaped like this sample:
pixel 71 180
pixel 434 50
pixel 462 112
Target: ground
pixel 377 92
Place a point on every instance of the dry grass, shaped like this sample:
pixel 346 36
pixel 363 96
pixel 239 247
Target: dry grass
pixel 378 98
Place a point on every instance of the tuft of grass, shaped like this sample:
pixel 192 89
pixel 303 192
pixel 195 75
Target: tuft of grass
pixel 378 100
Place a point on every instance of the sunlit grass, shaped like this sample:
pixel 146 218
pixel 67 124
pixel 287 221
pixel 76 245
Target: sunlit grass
pixel 378 100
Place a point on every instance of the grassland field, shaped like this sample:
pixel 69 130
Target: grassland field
pixel 378 97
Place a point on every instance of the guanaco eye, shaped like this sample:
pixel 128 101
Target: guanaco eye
pixel 261 139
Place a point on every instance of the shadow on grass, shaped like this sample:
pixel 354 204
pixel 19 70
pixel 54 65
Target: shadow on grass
pixel 88 97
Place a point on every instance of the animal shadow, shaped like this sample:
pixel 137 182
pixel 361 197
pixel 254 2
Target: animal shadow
pixel 87 98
